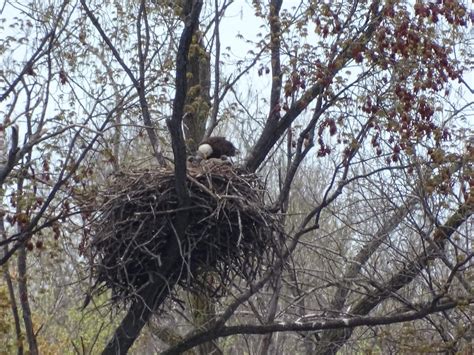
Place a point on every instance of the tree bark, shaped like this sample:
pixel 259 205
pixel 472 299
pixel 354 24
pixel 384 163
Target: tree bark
pixel 155 293
pixel 24 302
pixel 11 293
pixel 338 323
pixel 149 299
pixel 198 100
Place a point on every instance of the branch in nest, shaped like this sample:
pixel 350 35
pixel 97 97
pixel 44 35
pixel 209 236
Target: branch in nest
pixel 230 230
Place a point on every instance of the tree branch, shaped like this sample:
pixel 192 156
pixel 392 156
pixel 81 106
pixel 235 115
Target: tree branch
pixel 275 127
pixel 154 294
pixel 150 298
pixel 333 323
pixel 364 254
pixel 175 123
pixel 37 54
pixel 137 83
pixel 63 177
pixel 275 44
pixel 11 292
pixel 334 340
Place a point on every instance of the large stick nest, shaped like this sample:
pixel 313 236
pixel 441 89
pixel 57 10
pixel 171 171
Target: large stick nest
pixel 229 232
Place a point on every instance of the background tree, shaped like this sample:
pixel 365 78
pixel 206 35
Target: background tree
pixel 355 114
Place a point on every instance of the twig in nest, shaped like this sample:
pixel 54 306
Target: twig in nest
pixel 229 231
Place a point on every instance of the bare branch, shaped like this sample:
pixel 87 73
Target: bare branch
pixel 139 84
pixel 38 53
pixel 335 339
pixel 338 323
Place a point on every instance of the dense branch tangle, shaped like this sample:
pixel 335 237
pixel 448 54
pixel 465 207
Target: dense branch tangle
pixel 229 232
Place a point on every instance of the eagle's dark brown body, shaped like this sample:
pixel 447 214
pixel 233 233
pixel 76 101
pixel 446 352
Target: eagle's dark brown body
pixel 216 147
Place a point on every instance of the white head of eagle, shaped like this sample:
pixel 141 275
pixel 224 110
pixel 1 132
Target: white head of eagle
pixel 216 147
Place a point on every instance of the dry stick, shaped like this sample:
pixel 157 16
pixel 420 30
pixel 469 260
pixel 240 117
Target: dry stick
pixel 141 87
pixel 301 153
pixel 273 307
pixel 229 86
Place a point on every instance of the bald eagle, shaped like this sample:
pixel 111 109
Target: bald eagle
pixel 216 147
